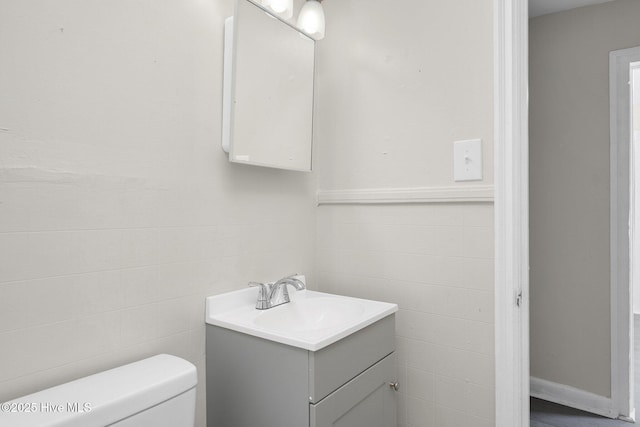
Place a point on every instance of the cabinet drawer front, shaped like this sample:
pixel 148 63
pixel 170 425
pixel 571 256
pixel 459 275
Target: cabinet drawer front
pixel 365 401
pixel 336 364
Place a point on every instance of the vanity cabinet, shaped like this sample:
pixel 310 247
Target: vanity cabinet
pixel 254 382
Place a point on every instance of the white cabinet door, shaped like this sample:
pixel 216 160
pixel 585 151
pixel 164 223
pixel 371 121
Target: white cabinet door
pixel 365 401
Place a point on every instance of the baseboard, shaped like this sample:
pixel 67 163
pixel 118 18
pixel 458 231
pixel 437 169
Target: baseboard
pixel 572 397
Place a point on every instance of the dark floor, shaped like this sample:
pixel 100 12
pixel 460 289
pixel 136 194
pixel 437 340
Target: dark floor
pixel 547 414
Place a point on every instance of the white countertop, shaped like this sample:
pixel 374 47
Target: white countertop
pixel 312 320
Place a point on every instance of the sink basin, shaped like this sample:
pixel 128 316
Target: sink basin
pixel 310 314
pixel 312 320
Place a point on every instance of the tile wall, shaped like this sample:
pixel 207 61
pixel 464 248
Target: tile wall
pixel 436 262
pixel 119 212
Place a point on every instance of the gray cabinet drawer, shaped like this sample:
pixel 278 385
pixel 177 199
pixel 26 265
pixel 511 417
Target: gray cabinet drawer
pixel 336 364
pixel 365 401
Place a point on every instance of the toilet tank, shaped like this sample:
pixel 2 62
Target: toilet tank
pixel 158 391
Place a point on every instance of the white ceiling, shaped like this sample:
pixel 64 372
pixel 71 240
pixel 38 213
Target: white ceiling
pixel 543 7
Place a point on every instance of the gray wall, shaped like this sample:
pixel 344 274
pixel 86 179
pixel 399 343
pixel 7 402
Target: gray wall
pixel 569 205
pixel 397 85
pixel 119 212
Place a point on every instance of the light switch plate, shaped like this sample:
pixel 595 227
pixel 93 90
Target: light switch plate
pixel 467 160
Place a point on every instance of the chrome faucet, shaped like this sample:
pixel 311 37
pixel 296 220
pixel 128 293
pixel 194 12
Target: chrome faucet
pixel 273 294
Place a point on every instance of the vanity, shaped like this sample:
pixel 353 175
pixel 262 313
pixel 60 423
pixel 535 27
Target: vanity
pixel 321 360
pixel 317 360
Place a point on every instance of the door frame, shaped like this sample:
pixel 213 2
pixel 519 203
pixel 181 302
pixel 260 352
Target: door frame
pixel 511 116
pixel 511 222
pixel 622 393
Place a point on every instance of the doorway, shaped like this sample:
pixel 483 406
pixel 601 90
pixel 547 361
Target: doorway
pixel 511 149
pixel 625 258
pixel 582 330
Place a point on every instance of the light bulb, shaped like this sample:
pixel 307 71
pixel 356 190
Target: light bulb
pixel 282 8
pixel 279 6
pixel 311 19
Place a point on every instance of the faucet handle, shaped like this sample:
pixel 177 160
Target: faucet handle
pixel 263 295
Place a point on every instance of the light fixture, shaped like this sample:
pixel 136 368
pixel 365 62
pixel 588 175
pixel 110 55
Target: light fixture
pixel 282 8
pixel 311 19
